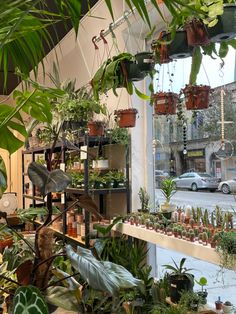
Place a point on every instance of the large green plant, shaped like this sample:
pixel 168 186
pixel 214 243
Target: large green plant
pixel 168 189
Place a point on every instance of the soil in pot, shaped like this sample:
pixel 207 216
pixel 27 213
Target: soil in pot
pixel 126 118
pixel 196 33
pixel 165 103
pixel 196 97
pixel 179 284
pixel 225 29
pixel 96 128
pixel 145 61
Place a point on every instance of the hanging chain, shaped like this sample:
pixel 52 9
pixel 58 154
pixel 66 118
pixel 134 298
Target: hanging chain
pixel 222 94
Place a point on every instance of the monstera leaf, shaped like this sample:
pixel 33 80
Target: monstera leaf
pixel 102 276
pixel 28 299
pixel 3 177
pixel 48 181
pixel 7 127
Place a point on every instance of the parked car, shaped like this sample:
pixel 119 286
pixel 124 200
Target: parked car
pixel 159 176
pixel 196 181
pixel 228 186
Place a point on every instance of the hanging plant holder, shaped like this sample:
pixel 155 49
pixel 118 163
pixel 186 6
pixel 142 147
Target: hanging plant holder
pixel 126 118
pixel 196 33
pixel 165 103
pixel 178 48
pixel 144 61
pixel 196 97
pixel 96 128
pixel 225 29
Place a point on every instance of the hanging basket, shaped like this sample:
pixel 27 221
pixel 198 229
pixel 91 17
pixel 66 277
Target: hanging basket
pixel 165 103
pixel 178 48
pixel 129 71
pixel 225 29
pixel 144 61
pixel 196 33
pixel 196 97
pixel 96 128
pixel 126 118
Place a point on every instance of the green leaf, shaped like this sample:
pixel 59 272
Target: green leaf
pixel 7 127
pixel 62 297
pixel 54 181
pixel 224 48
pixel 232 43
pixel 30 213
pixel 102 276
pixel 3 177
pixel 106 230
pixel 141 95
pixel 108 3
pixel 29 300
pixel 196 64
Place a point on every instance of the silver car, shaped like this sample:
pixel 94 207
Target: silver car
pixel 196 181
pixel 228 186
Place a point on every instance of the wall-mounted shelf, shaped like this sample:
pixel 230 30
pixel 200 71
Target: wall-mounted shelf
pixel 96 191
pixel 194 249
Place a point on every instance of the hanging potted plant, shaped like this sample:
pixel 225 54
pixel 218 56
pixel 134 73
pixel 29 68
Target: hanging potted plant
pixel 145 61
pixel 126 118
pixel 165 103
pixel 196 33
pixel 118 71
pixel 95 128
pixel 196 96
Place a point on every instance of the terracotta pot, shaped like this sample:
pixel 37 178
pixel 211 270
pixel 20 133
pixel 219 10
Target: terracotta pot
pixel 96 128
pixel 126 118
pixel 196 33
pixel 6 242
pixel 165 103
pixel 225 29
pixel 196 97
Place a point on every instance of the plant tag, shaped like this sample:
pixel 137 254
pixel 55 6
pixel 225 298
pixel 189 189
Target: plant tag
pixel 147 60
pixel 83 152
pixel 63 166
pixel 174 286
pixel 62 198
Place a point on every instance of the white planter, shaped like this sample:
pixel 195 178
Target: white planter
pixel 167 207
pixel 100 164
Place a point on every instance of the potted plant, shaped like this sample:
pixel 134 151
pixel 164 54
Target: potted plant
pixel 180 280
pixel 227 307
pixel 165 103
pixel 190 300
pixel 144 199
pixel 95 128
pixel 203 293
pixel 118 71
pixel 126 118
pixel 145 61
pixel 168 189
pixel 227 248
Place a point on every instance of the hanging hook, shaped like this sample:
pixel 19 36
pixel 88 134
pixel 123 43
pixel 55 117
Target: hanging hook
pixel 111 30
pixel 102 36
pixel 93 41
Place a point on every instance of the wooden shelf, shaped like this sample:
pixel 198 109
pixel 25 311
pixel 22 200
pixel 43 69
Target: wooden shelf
pixel 194 249
pixel 36 198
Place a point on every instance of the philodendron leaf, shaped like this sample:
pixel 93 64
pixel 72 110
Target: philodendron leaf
pixel 48 181
pixel 30 213
pixel 102 276
pixel 28 299
pixel 70 282
pixel 62 297
pixel 3 177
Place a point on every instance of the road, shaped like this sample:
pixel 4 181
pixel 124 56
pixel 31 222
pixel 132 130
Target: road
pixel 201 199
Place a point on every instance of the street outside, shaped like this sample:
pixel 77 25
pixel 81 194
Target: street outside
pixel 202 199
pixel 220 283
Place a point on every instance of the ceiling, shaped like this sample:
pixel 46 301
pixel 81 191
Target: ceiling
pixel 61 30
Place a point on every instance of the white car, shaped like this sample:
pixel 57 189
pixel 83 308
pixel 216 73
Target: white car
pixel 228 186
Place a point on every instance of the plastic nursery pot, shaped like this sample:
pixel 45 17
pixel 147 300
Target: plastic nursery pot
pixel 225 29
pixel 144 61
pixel 196 97
pixel 196 33
pixel 96 128
pixel 131 72
pixel 178 284
pixel 165 103
pixel 178 48
pixel 126 118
